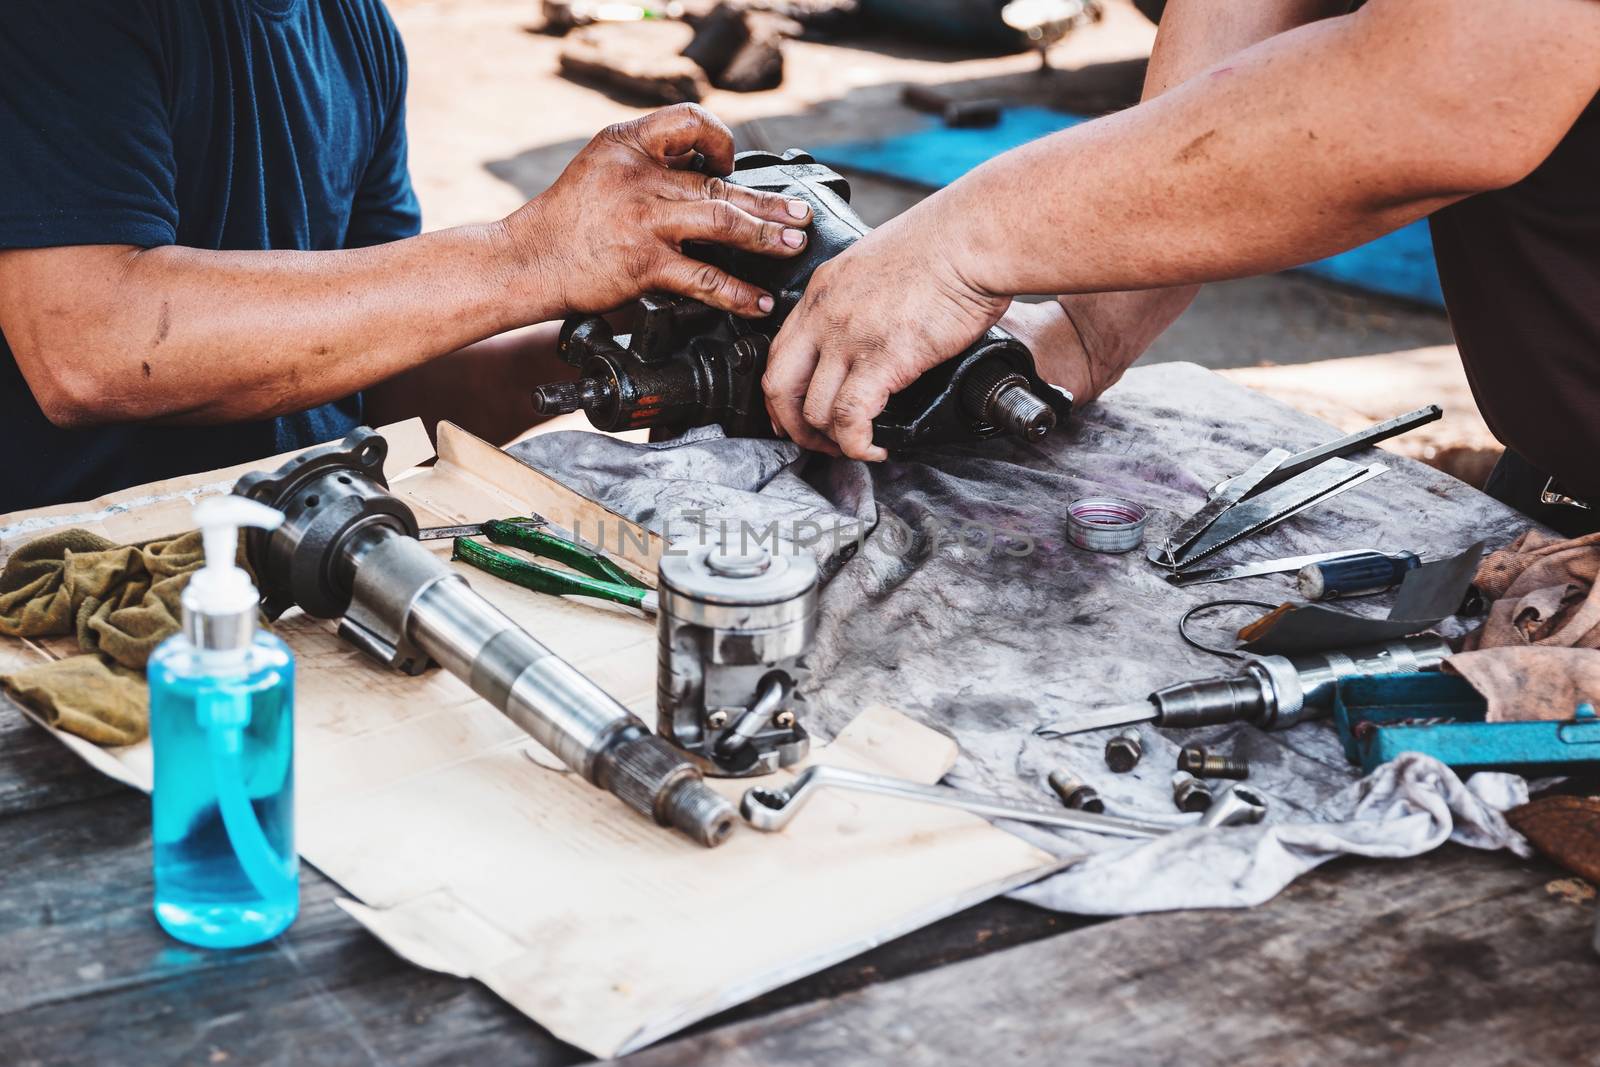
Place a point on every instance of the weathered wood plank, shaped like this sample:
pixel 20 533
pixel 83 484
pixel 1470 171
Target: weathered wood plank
pixel 36 770
pixel 1456 958
pixel 87 976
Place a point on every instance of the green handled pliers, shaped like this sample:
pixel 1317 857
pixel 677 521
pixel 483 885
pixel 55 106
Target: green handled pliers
pixel 592 574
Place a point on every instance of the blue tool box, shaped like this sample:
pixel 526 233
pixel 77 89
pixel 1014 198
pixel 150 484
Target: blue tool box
pixel 1442 716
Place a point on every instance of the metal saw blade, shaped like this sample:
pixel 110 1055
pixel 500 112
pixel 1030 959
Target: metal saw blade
pixel 1277 504
pixel 1287 565
pixel 1233 491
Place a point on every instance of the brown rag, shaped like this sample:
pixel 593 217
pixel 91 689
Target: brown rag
pixel 1537 655
pixel 119 600
pixel 1565 828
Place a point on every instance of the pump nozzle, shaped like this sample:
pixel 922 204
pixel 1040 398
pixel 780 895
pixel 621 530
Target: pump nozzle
pixel 219 603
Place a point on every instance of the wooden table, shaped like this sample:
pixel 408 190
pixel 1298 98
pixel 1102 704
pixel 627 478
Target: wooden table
pixel 1455 958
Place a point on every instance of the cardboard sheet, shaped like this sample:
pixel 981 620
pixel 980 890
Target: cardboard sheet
pixel 469 850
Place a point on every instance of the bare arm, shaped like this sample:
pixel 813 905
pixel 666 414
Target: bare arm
pixel 1304 145
pixel 113 333
pixel 1085 341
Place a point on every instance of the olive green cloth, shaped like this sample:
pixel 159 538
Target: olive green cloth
pixel 86 695
pixel 119 600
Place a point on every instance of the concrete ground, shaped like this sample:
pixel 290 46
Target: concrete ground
pixel 493 123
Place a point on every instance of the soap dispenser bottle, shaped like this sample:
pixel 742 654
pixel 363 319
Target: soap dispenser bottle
pixel 222 740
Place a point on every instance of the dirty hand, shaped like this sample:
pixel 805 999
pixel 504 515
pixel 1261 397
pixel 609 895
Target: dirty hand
pixel 873 319
pixel 613 225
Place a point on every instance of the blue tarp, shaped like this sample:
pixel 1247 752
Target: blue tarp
pixel 1397 264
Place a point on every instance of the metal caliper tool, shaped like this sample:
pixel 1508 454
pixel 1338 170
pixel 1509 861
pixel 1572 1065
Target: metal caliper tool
pixel 771 809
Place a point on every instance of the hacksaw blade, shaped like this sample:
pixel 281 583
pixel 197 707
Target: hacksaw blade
pixel 1233 491
pixel 1278 504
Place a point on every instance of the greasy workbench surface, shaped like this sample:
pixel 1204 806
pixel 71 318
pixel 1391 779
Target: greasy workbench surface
pixel 1457 957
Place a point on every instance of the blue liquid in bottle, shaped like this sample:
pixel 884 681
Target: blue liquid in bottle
pixel 222 736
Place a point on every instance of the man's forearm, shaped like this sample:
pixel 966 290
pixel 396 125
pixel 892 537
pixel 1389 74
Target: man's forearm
pixel 186 335
pixel 486 388
pixel 1302 146
pixel 1114 329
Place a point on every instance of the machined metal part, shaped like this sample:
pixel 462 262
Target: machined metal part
pixel 1344 447
pixel 348 548
pixel 1272 692
pixel 1106 524
pixel 1074 792
pixel 734 626
pixel 771 809
pixel 1190 793
pixel 1235 806
pixel 1203 763
pixel 1286 565
pixel 1124 751
pixel 680 363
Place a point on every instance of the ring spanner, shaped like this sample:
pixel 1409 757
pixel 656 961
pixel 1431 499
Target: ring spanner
pixel 772 809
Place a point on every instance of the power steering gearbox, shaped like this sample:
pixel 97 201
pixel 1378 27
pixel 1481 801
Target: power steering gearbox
pixel 348 548
pixel 685 364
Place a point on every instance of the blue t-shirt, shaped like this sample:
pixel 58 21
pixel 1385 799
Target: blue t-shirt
pixel 214 124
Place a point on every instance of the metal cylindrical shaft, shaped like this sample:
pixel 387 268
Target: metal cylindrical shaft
pixel 1075 793
pixel 401 582
pixel 1199 761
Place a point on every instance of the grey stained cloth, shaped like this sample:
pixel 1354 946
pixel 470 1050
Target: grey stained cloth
pixel 960 601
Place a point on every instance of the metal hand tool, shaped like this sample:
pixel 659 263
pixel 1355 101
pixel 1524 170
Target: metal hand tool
pixel 1342 448
pixel 475 529
pixel 1267 510
pixel 1235 805
pixel 1226 497
pixel 347 548
pixel 593 575
pixel 1273 692
pixel 1357 575
pixel 770 810
pixel 1184 579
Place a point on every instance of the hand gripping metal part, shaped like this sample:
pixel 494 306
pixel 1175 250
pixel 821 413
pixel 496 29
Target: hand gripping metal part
pixel 348 548
pixel 679 363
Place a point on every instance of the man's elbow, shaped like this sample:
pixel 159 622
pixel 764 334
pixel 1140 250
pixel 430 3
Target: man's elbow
pixel 73 396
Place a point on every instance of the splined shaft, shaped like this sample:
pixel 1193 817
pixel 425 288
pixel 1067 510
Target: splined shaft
pixel 995 394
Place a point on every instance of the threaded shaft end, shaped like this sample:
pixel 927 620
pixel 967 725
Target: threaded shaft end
pixel 698 811
pixel 995 394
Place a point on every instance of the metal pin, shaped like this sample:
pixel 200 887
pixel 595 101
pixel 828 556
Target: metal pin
pixel 1197 760
pixel 1190 793
pixel 1124 751
pixel 1074 793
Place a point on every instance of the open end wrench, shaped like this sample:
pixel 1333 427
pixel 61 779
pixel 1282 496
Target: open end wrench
pixel 771 809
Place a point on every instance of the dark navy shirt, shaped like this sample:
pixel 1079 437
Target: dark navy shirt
pixel 214 124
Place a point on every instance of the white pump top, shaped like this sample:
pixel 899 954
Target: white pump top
pixel 219 603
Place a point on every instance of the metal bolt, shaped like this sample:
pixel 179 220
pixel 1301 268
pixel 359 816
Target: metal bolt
pixel 1190 793
pixel 1124 751
pixel 747 350
pixel 1074 793
pixel 716 719
pixel 1197 760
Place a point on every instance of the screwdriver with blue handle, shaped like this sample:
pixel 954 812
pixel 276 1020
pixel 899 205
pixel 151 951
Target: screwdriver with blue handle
pixel 1357 574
